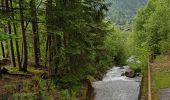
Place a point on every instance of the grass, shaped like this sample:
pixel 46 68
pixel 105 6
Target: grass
pixel 35 87
pixel 30 70
pixel 162 79
pixel 160 74
pixel 28 88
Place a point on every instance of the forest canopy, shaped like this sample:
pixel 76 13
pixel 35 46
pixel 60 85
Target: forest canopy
pixel 71 39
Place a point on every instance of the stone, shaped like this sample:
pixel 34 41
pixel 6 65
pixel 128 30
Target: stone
pixel 130 73
pixel 137 74
pixel 123 74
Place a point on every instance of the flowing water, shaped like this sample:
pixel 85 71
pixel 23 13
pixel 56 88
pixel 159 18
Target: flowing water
pixel 117 87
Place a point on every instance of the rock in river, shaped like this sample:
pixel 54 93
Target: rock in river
pixel 130 73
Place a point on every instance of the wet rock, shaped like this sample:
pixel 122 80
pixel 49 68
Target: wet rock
pixel 123 74
pixel 122 67
pixel 130 73
pixel 137 74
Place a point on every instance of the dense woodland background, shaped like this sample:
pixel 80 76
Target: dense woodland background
pixel 121 12
pixel 78 40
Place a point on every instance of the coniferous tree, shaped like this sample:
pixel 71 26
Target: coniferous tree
pixel 24 40
pixel 15 32
pixel 35 32
pixel 10 32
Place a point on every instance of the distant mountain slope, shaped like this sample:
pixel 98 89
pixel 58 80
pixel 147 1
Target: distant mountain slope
pixel 122 11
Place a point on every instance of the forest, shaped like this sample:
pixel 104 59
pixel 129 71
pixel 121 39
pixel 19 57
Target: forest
pixel 56 49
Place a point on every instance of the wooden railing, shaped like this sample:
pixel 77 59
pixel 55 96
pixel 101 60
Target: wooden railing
pixel 149 81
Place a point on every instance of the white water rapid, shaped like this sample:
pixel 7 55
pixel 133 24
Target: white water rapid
pixel 114 86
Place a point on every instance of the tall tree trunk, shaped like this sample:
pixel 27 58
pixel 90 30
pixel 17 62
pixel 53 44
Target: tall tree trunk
pixel 3 50
pixel 2 45
pixel 46 52
pixel 35 33
pixel 48 26
pixel 16 41
pixel 25 52
pixel 10 41
pixel 6 43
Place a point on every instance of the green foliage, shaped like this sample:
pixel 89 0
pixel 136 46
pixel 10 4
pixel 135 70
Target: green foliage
pixel 150 34
pixel 9 87
pixel 138 55
pixel 4 36
pixel 161 58
pixel 67 95
pixel 115 46
pixel 161 72
pixel 161 79
pixel 86 44
pixel 77 34
pixel 24 96
pixel 151 26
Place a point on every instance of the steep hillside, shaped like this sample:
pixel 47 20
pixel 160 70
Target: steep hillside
pixel 122 11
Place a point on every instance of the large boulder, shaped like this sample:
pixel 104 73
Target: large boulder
pixel 130 73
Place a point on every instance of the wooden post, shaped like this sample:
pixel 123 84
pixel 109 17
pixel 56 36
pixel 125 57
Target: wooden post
pixel 149 81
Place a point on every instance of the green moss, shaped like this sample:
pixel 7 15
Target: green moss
pixel 30 70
